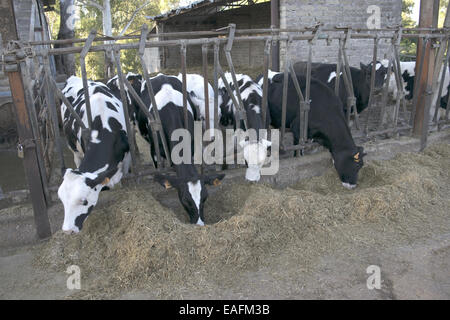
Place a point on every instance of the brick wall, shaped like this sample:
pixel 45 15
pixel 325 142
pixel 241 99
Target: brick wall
pixel 243 54
pixel 300 13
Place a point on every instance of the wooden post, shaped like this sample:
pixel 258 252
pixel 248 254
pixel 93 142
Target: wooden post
pixel 427 19
pixel 21 100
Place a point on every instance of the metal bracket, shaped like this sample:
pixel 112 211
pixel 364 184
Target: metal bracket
pixel 231 34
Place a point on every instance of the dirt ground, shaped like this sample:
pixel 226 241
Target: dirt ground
pixel 312 240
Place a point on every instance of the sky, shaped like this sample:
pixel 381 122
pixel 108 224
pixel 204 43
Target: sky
pixel 415 14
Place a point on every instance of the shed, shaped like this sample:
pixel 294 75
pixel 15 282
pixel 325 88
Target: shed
pixel 255 14
pixel 22 12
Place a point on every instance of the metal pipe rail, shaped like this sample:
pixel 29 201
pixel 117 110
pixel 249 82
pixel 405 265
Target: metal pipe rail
pixel 343 34
pixel 238 31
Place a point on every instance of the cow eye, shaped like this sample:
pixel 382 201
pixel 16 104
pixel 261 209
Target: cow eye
pixel 84 202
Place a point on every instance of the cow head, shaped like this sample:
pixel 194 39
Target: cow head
pixel 380 73
pixel 348 163
pixel 226 109
pixel 79 194
pixel 191 192
pixel 255 154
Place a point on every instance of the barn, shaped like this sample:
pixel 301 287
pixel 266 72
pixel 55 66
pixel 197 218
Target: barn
pixel 252 14
pixel 23 10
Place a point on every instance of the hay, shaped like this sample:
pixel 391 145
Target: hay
pixel 136 242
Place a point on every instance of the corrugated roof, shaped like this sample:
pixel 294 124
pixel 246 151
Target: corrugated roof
pixel 194 5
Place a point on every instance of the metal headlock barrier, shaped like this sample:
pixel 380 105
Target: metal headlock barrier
pixel 42 93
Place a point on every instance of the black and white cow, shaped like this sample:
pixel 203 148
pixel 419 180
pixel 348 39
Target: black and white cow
pixel 408 72
pixel 407 69
pixel 326 124
pixel 251 94
pixel 136 82
pixel 195 88
pixel 360 80
pixel 190 185
pixel 102 160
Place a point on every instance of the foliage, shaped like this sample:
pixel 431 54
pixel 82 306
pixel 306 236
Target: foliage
pixel 121 12
pixel 409 46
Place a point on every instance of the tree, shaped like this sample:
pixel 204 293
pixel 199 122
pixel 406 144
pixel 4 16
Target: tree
pixel 125 17
pixel 408 45
pixel 65 64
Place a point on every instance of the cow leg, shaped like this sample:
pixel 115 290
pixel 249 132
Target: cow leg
pixel 295 128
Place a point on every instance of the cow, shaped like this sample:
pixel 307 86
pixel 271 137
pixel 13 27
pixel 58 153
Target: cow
pixel 407 69
pixel 101 160
pixel 360 80
pixel 251 94
pixel 136 82
pixel 195 88
pixel 190 185
pixel 326 125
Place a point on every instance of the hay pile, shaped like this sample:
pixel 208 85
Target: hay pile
pixel 136 242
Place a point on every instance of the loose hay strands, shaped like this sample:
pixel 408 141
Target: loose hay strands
pixel 138 243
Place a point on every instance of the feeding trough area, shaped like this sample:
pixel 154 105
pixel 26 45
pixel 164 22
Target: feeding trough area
pixel 335 163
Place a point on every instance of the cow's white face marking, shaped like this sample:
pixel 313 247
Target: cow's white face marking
pixel 377 66
pixel 332 76
pixel 348 185
pixel 77 197
pixel 256 108
pixel 195 189
pixel 255 154
pixel 94 135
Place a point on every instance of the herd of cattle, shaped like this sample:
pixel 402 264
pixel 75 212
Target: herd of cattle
pixel 104 158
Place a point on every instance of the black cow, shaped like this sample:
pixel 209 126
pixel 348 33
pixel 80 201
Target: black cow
pixel 360 80
pixel 189 184
pixel 326 124
pixel 102 160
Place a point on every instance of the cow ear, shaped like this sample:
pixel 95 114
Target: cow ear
pixel 213 179
pixel 361 151
pixel 102 178
pixel 166 181
pixel 243 143
pixel 266 143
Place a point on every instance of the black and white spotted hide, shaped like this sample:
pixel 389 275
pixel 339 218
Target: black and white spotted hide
pixel 102 160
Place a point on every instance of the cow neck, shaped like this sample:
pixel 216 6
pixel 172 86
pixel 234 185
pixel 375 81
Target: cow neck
pixel 343 141
pixel 358 81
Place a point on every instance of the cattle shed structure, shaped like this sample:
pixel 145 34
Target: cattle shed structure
pixel 285 14
pixel 26 12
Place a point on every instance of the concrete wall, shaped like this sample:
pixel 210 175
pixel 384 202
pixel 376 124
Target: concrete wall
pixel 301 13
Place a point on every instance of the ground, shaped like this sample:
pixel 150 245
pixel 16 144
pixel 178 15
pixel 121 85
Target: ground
pixel 311 240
